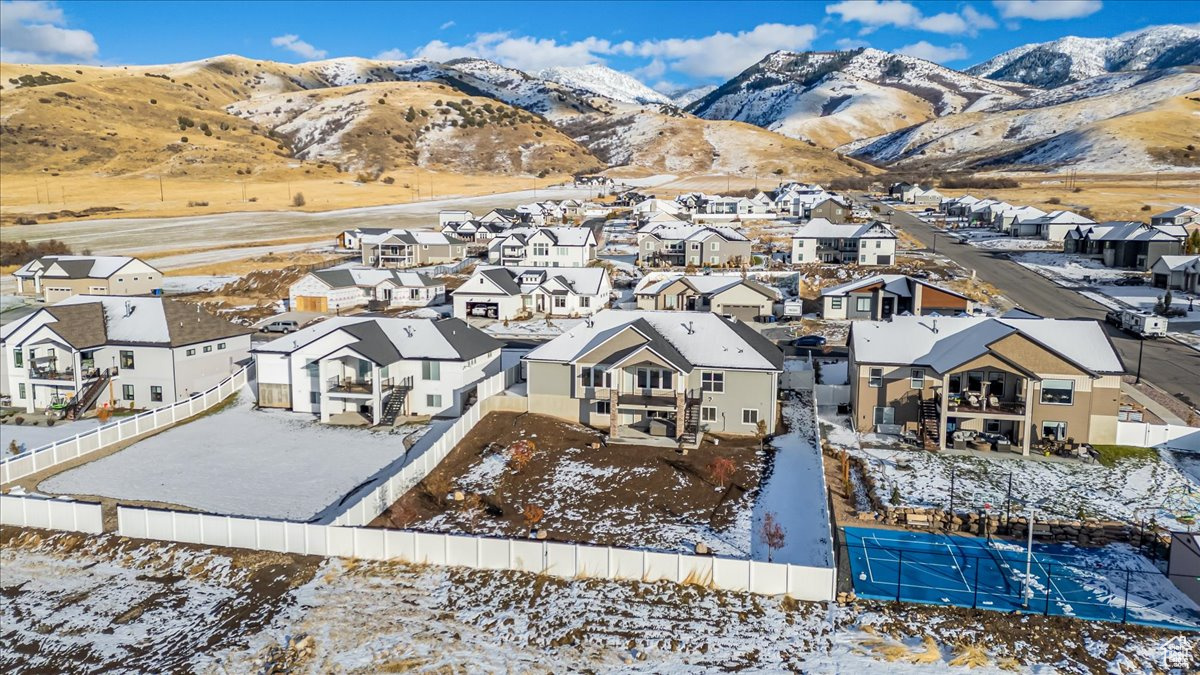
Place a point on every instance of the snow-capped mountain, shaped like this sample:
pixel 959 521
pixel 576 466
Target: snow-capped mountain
pixel 832 98
pixel 685 97
pixel 604 81
pixel 1071 59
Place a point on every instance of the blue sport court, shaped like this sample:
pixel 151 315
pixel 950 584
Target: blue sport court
pixel 1103 584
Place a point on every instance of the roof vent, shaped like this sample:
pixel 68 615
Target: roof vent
pixel 690 329
pixel 589 322
pixel 408 331
pixel 128 308
pixel 935 330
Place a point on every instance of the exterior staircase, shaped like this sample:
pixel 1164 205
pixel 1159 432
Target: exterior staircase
pixel 85 400
pixel 691 422
pixel 929 423
pixel 395 403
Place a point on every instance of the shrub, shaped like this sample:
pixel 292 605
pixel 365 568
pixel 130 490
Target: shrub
pixel 533 514
pixel 197 203
pixel 153 101
pixel 50 422
pixel 298 199
pixel 388 180
pixel 183 139
pixel 895 498
pixel 13 448
pixel 1145 207
pixel 720 470
pixel 18 420
pixel 520 454
pixel 1054 200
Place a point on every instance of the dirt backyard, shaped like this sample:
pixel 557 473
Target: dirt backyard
pixel 520 471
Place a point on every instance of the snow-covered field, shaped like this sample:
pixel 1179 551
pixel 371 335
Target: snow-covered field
pixel 1145 298
pixel 195 284
pixel 1068 270
pixel 1130 491
pixel 795 493
pixel 534 328
pixel 241 461
pixel 992 240
pixel 28 437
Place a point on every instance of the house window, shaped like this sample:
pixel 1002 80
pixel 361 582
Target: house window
pixel 878 243
pixel 1054 430
pixel 713 382
pixel 21 390
pixel 560 302
pixel 916 378
pixel 595 376
pixel 433 400
pixel 127 392
pixel 714 246
pixel 431 370
pixel 18 358
pixel 800 256
pixel 207 348
pixel 862 258
pixel 996 383
pixel 541 249
pixel 708 414
pixel 585 301
pixel 1058 392
pixel 875 377
pixel 974 383
pixel 885 415
pixel 156 393
pixel 835 303
pixel 749 416
pixel 220 346
pixel 992 426
pixel 314 397
pixel 863 304
pixel 190 352
pixel 603 407
pixel 126 359
pixel 653 378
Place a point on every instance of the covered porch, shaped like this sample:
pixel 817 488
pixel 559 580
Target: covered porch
pixel 644 394
pixel 356 389
pixel 985 405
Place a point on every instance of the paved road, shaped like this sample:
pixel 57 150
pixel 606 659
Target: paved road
pixel 1168 364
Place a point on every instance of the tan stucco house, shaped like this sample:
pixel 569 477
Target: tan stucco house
pixel 58 277
pixel 730 296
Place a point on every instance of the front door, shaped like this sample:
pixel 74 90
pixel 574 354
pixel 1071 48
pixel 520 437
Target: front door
pixel 888 307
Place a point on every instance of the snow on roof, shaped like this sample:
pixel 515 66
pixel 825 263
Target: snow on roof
pixel 691 232
pixel 444 339
pixel 343 277
pixel 1178 211
pixel 893 283
pixel 562 236
pixel 821 228
pixel 77 266
pixel 582 280
pixel 1178 262
pixel 146 322
pixel 911 340
pixel 704 339
pixel 423 237
pixel 706 284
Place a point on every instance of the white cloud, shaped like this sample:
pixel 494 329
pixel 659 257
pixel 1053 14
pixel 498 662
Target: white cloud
pixel 391 55
pixel 294 44
pixel 651 71
pixel 851 43
pixel 1045 10
pixel 874 14
pixel 930 52
pixel 722 54
pixel 35 32
pixel 524 53
pixel 448 24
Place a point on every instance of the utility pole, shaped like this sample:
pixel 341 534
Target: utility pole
pixel 1141 347
pixel 161 196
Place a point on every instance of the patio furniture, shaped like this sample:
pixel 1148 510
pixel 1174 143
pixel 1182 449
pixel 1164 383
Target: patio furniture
pixel 981 444
pixel 994 401
pixel 973 400
pixel 1003 445
pixel 960 444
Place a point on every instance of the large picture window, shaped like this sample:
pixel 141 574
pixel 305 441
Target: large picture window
pixel 1054 430
pixel 126 359
pixel 653 378
pixel 863 304
pixel 885 415
pixel 595 377
pixel 1058 392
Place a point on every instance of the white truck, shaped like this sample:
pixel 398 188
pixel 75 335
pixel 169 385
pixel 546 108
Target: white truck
pixel 1139 323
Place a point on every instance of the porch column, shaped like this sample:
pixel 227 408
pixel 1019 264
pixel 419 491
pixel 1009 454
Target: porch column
pixel 612 411
pixel 1028 417
pixel 20 286
pixel 943 406
pixel 376 397
pixel 680 413
pixel 322 378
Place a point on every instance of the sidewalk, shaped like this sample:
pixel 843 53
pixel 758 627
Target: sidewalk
pixel 1150 404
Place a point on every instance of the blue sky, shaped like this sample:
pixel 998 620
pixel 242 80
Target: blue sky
pixel 665 44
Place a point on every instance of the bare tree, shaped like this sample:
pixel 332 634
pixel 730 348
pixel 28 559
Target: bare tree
pixel 773 534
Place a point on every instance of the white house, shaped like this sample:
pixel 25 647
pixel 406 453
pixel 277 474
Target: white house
pixel 339 288
pixel 512 292
pixel 819 240
pixel 1187 216
pixel 1052 226
pixel 450 216
pixel 648 207
pixel 1004 215
pixel 1179 272
pixel 379 368
pixel 544 247
pixel 502 217
pixel 123 351
pixel 58 277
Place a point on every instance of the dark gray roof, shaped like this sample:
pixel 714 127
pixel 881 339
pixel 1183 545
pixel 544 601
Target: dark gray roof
pixel 757 342
pixel 660 345
pixel 504 279
pixel 338 278
pixel 372 343
pixel 468 341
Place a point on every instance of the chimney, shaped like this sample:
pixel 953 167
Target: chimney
pixel 935 330
pixel 128 308
pixel 690 329
pixel 408 331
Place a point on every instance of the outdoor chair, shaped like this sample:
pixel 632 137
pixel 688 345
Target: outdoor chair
pixel 994 401
pixel 973 400
pixel 960 444
pixel 1003 445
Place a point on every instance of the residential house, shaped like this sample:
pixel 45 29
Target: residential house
pixel 675 374
pixel 923 197
pixel 999 383
pixel 1127 244
pixel 513 292
pixel 731 296
pixel 58 277
pixel 1177 272
pixel 902 190
pixel 1052 226
pixel 881 296
pixel 502 217
pixel 448 217
pixel 680 245
pixel 649 207
pixel 544 247
pixel 832 208
pixel 819 240
pixel 958 207
pixel 1187 216
pixel 475 232
pixel 732 206
pixel 411 248
pixel 1004 215
pixel 339 288
pixel 351 240
pixel 375 369
pixel 121 351
pixel 980 213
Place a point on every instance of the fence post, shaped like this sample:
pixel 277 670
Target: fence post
pixel 975 586
pixel 1125 609
pixel 1049 577
pixel 899 571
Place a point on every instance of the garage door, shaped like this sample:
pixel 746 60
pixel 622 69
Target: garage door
pixel 490 310
pixel 311 303
pixel 743 312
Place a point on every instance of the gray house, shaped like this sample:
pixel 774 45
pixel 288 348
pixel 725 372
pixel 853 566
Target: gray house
pixel 1127 244
pixel 410 248
pixel 676 374
pixel 680 245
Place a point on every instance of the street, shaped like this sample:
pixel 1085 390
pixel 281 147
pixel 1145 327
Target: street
pixel 1168 364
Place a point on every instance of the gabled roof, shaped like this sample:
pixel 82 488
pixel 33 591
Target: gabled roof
pixel 1056 217
pixel 1178 211
pixel 561 236
pixel 703 284
pixel 911 340
pixel 386 340
pixel 1178 262
pixel 672 232
pixel 1123 231
pixel 580 280
pixel 87 321
pixel 702 339
pixel 76 266
pixel 821 228
pixel 345 277
pixel 422 237
pixel 898 284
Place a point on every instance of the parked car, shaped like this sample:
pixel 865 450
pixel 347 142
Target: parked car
pixel 809 341
pixel 1130 281
pixel 281 326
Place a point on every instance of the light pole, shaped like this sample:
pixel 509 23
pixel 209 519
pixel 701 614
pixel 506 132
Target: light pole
pixel 1141 347
pixel 1026 587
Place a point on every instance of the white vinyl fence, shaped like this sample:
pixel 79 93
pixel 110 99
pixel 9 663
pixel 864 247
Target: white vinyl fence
pixel 1146 435
pixel 832 394
pixel 51 514
pixel 118 431
pixel 539 557
pixel 416 467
